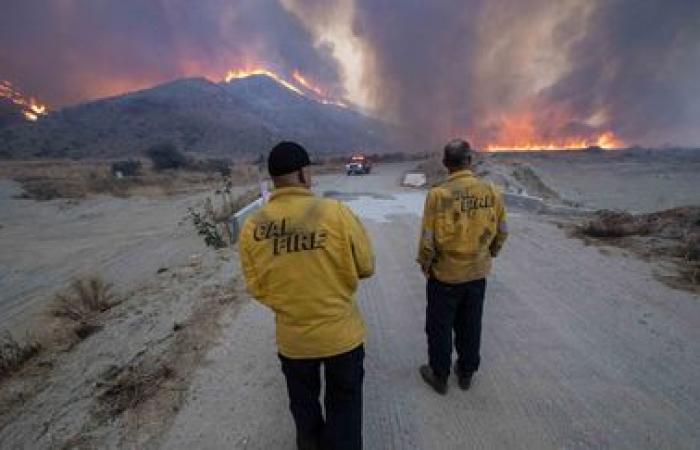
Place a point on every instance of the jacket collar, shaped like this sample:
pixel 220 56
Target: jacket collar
pixel 297 191
pixel 460 174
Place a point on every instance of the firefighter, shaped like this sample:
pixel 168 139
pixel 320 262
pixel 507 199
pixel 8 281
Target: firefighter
pixel 303 257
pixel 464 227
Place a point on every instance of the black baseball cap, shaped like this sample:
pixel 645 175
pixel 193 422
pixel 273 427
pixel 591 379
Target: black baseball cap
pixel 287 157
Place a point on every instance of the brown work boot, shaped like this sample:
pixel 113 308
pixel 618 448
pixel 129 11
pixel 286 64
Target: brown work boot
pixel 438 385
pixel 464 380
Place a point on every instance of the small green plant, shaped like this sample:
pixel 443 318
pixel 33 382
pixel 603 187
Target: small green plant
pixel 206 228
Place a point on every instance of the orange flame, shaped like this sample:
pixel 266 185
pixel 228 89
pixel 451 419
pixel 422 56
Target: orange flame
pixel 31 108
pixel 519 133
pixel 299 78
pixel 301 85
pixel 606 140
pixel 322 95
pixel 245 73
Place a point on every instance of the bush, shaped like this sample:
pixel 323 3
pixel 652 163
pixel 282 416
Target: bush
pixel 692 247
pixel 207 228
pixel 133 385
pixel 222 166
pixel 611 224
pixel 82 302
pixel 128 168
pixel 14 354
pixel 166 156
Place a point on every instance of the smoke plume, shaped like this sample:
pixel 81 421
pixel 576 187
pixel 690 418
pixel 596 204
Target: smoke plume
pixel 508 71
pixel 67 51
pixel 503 73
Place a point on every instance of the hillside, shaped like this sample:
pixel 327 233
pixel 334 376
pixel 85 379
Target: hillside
pixel 10 114
pixel 234 119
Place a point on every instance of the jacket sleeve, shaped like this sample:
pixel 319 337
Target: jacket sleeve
pixel 502 226
pixel 250 273
pixel 426 243
pixel 360 244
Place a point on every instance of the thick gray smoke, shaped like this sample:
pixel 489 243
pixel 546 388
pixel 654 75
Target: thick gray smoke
pixel 640 60
pixel 497 71
pixel 70 50
pixel 492 69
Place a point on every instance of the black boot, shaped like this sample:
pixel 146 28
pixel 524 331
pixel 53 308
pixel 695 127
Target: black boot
pixel 438 384
pixel 464 379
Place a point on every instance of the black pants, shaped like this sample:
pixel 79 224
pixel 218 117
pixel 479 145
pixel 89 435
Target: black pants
pixel 457 307
pixel 342 428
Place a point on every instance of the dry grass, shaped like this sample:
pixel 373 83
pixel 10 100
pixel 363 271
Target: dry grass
pixel 691 249
pixel 126 389
pixel 682 224
pixel 615 224
pixel 85 297
pixel 14 354
pixel 82 302
pixel 244 199
pixel 673 234
pixel 49 180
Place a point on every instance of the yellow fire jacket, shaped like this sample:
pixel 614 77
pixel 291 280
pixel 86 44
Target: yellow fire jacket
pixel 302 256
pixel 464 226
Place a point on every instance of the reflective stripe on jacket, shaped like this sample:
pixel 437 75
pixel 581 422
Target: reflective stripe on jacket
pixel 464 226
pixel 302 256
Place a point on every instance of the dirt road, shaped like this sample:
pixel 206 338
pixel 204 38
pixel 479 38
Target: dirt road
pixel 581 349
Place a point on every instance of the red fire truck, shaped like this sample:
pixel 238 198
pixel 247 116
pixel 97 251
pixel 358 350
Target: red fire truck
pixel 358 164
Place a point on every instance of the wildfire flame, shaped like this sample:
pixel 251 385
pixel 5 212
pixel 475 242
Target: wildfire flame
pixel 519 133
pixel 606 140
pixel 243 73
pixel 299 78
pixel 31 108
pixel 301 85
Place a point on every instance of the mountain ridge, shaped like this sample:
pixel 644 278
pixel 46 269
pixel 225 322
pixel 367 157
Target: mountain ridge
pixel 230 119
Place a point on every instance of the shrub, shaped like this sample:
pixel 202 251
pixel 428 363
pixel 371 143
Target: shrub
pixel 14 354
pixel 128 168
pixel 692 247
pixel 206 228
pixel 222 166
pixel 82 301
pixel 166 156
pixel 611 224
pixel 133 385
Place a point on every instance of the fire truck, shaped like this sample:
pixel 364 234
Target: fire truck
pixel 358 164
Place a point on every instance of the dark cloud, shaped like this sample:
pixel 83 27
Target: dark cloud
pixel 70 50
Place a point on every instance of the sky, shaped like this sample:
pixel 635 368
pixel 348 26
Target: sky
pixel 498 72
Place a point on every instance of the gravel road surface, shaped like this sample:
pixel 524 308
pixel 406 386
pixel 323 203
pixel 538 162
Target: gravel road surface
pixel 581 349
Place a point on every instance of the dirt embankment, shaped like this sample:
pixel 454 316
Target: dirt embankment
pixel 108 359
pixel 671 236
pixel 121 384
pixel 512 176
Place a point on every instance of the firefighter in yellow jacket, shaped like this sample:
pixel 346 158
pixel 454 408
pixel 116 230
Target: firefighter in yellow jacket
pixel 464 227
pixel 303 257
